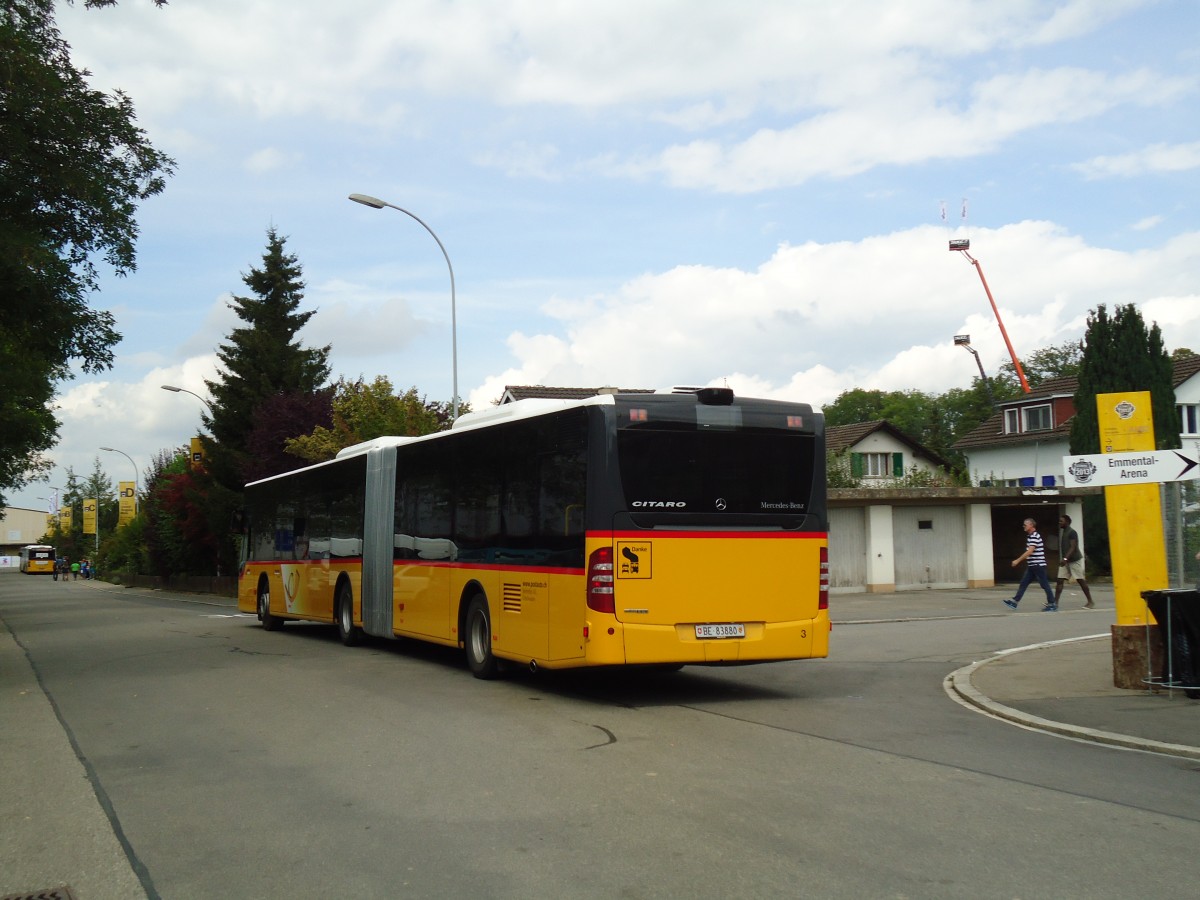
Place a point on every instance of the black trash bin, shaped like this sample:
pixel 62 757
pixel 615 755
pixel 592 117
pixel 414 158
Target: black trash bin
pixel 1177 612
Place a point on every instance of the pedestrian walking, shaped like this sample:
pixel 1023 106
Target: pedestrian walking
pixel 1070 567
pixel 75 571
pixel 1034 558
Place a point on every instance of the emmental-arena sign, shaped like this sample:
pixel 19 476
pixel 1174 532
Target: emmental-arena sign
pixel 1137 467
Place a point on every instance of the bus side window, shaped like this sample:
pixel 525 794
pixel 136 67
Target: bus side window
pixel 562 486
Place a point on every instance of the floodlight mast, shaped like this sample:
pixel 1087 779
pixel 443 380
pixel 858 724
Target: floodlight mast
pixel 963 245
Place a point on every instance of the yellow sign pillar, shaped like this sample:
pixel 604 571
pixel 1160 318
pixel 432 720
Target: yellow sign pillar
pixel 1135 535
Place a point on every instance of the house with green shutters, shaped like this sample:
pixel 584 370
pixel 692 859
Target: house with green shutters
pixel 877 454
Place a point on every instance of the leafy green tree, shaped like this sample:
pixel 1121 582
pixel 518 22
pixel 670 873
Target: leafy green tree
pixel 261 360
pixel 73 167
pixel 124 551
pixel 907 410
pixel 69 538
pixel 187 519
pixel 1057 361
pixel 363 411
pixel 934 421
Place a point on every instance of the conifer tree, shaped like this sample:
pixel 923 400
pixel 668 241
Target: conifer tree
pixel 261 360
pixel 1119 354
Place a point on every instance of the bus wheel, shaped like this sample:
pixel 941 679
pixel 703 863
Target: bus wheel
pixel 269 622
pixel 347 631
pixel 478 641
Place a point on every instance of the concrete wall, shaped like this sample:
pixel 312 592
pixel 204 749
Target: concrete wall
pixel 906 539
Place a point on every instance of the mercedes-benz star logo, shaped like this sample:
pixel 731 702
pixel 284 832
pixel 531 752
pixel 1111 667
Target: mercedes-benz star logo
pixel 720 503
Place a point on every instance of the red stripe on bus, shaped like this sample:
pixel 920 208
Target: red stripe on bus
pixel 652 534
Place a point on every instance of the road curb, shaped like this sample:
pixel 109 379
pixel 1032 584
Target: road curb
pixel 959 686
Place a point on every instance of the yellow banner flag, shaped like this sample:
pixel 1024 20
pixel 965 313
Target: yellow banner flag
pixel 64 518
pixel 89 516
pixel 197 453
pixel 128 491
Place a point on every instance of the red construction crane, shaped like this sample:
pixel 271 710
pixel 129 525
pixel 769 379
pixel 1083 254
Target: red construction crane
pixel 963 245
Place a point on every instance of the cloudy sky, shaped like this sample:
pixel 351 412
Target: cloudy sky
pixel 643 194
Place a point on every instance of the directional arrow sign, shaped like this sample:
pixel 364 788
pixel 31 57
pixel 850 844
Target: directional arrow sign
pixel 1136 467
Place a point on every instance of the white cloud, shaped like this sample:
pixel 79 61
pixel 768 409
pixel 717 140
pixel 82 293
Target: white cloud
pixel 523 160
pixel 269 159
pixel 881 312
pixel 1156 158
pixel 919 125
pixel 364 328
pixel 847 91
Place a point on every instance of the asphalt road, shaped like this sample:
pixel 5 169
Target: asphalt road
pixel 227 761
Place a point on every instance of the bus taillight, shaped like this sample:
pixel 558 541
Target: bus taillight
pixel 600 581
pixel 823 598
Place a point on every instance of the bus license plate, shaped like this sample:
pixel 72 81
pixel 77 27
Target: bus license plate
pixel 723 630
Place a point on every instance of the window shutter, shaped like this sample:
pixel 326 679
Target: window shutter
pixel 856 465
pixel 898 465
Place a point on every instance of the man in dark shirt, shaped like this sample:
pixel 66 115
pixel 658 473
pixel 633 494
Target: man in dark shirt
pixel 1070 566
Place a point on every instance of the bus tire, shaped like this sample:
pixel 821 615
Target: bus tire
pixel 347 631
pixel 478 639
pixel 269 622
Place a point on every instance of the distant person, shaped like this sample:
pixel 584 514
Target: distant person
pixel 75 571
pixel 64 568
pixel 1034 558
pixel 1070 567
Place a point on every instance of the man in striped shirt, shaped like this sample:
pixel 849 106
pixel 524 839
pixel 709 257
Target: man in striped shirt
pixel 1034 558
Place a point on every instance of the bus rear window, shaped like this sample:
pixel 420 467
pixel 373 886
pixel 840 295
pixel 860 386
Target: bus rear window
pixel 715 469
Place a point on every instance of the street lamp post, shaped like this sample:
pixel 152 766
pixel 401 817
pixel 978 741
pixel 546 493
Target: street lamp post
pixel 135 474
pixel 178 390
pixel 376 203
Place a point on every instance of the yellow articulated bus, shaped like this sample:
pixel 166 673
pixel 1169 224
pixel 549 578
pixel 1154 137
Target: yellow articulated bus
pixel 37 559
pixel 623 529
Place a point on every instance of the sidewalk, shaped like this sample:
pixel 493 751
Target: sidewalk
pixel 1063 687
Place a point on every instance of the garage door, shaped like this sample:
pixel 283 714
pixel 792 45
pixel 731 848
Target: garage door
pixel 931 546
pixel 847 548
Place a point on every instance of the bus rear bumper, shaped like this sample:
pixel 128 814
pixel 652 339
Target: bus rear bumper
pixel 763 641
